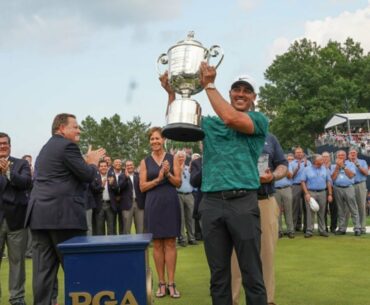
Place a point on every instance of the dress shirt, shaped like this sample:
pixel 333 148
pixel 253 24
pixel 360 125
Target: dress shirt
pixel 342 179
pixel 285 181
pixel 298 177
pixel 105 192
pixel 315 178
pixel 185 184
pixel 133 186
pixel 359 177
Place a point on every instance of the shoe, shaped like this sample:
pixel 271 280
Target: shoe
pixel 332 230
pixel 172 291
pixel 291 235
pixel 363 232
pixel 338 232
pixel 307 235
pixel 18 302
pixel 192 242
pixel 161 292
pixel 281 234
pixel 357 233
pixel 324 234
pixel 181 242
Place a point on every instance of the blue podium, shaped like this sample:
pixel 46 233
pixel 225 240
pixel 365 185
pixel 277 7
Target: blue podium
pixel 107 270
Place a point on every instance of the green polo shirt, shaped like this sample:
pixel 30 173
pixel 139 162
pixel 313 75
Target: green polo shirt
pixel 229 156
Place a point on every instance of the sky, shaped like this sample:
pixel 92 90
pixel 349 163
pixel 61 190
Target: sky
pixel 99 57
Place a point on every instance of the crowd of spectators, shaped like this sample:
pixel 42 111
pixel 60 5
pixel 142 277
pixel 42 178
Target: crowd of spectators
pixel 359 137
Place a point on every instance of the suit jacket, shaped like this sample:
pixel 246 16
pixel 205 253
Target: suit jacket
pixel 97 189
pixel 126 187
pixel 15 194
pixel 196 181
pixel 59 192
pixel 196 173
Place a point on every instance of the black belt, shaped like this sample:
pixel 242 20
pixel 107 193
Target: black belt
pixel 342 187
pixel 263 197
pixel 359 182
pixel 296 184
pixel 182 193
pixel 106 201
pixel 282 187
pixel 229 194
pixel 317 191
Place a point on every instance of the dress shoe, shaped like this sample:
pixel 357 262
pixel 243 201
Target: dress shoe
pixel 192 242
pixel 307 235
pixel 281 234
pixel 363 232
pixel 291 235
pixel 324 234
pixel 357 233
pixel 339 232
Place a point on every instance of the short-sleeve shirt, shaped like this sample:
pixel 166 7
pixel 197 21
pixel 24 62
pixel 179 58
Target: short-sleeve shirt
pixel 298 177
pixel 359 177
pixel 315 178
pixel 229 156
pixel 342 179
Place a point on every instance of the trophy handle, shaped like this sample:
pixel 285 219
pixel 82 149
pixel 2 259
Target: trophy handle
pixel 163 60
pixel 215 51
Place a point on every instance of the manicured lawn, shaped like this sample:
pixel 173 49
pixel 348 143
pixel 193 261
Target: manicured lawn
pixel 316 271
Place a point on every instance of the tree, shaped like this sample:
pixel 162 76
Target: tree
pixel 308 84
pixel 123 141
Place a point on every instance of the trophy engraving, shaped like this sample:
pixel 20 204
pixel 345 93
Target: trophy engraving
pixel 183 63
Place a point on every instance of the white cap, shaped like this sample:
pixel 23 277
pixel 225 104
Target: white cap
pixel 246 80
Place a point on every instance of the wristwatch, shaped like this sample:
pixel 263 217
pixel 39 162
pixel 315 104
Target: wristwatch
pixel 210 86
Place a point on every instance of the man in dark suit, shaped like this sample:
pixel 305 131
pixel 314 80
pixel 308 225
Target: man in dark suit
pixel 196 182
pixel 56 210
pixel 15 182
pixel 106 204
pixel 132 200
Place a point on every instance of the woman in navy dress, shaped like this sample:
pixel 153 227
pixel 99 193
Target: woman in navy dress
pixel 160 174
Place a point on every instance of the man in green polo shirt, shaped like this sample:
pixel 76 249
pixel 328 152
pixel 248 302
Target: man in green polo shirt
pixel 233 141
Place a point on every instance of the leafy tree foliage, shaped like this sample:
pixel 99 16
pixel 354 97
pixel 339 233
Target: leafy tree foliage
pixel 123 141
pixel 308 84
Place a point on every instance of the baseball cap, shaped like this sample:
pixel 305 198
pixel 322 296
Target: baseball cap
pixel 245 80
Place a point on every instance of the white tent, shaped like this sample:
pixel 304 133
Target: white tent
pixel 352 119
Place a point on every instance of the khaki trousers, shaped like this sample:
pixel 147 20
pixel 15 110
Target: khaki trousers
pixel 269 212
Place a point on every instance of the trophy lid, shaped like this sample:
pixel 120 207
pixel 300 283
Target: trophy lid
pixel 189 40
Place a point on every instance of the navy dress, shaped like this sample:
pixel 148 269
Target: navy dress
pixel 162 206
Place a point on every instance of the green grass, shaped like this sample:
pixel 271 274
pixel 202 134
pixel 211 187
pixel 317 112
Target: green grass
pixel 315 271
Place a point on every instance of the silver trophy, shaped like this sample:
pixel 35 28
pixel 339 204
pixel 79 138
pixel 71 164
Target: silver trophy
pixel 183 61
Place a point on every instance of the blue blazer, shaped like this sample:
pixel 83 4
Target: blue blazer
pixel 14 193
pixel 126 188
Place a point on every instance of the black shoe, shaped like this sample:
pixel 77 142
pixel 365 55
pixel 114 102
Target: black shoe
pixel 338 232
pixel 281 234
pixel 357 233
pixel 307 235
pixel 291 235
pixel 324 234
pixel 18 302
pixel 363 232
pixel 332 230
pixel 192 242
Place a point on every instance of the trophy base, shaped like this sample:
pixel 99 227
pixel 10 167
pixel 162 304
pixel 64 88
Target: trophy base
pixel 183 132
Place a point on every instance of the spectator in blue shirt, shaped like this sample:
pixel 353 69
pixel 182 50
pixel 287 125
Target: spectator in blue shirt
pixel 316 184
pixel 298 165
pixel 360 186
pixel 342 174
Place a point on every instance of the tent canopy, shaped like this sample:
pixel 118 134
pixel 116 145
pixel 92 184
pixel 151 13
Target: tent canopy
pixel 354 119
